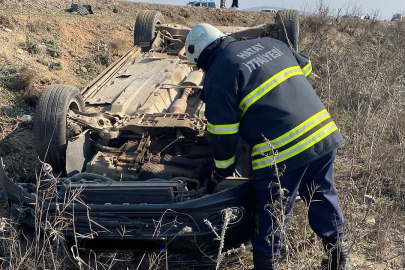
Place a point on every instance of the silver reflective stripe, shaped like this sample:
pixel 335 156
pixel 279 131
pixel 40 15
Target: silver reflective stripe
pixel 264 162
pixel 267 86
pixel 223 164
pixel 293 134
pixel 262 149
pixel 268 161
pixel 297 148
pixel 223 129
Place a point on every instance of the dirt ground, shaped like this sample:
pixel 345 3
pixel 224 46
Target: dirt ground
pixel 85 45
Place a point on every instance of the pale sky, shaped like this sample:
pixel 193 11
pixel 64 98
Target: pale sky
pixel 386 7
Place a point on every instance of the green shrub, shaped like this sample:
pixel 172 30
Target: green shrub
pixel 55 65
pixel 52 47
pixel 92 68
pixel 52 65
pixel 32 46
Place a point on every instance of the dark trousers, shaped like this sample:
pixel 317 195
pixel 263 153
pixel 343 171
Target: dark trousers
pixel 235 3
pixel 314 182
pixel 222 4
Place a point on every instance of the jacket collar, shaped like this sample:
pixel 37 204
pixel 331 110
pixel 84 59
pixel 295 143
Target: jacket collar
pixel 210 53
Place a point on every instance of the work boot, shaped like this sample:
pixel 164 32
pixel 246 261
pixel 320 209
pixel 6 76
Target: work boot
pixel 337 254
pixel 262 261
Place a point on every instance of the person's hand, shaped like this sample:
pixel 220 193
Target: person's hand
pixel 210 188
pixel 213 179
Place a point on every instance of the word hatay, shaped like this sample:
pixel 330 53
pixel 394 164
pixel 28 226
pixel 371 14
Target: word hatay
pixel 260 58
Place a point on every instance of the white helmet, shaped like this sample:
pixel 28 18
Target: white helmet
pixel 199 37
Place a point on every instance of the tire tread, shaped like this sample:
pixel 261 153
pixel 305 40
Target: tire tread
pixel 290 17
pixel 144 30
pixel 50 123
pixel 81 10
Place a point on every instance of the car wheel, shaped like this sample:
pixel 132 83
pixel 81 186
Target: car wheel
pixel 81 10
pixel 50 128
pixel 288 27
pixel 145 27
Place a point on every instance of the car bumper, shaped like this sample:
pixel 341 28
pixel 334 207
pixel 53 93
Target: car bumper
pixel 181 228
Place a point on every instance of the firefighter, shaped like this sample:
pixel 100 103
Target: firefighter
pixel 258 89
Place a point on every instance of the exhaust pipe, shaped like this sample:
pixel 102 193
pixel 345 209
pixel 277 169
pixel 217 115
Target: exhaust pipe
pixel 195 78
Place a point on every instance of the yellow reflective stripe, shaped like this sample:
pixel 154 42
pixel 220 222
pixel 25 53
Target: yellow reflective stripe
pixel 293 134
pixel 223 129
pixel 308 72
pixel 307 69
pixel 267 86
pixel 297 148
pixel 223 164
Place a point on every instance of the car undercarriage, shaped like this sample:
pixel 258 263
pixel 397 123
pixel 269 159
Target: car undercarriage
pixel 128 158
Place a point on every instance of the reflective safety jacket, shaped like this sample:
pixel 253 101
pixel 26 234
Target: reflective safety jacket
pixel 258 89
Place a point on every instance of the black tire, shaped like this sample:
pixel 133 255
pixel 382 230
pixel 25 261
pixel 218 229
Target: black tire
pixel 50 123
pixel 89 9
pixel 145 27
pixel 288 27
pixel 81 10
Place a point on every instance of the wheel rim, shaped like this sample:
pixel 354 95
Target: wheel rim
pixel 73 105
pixel 154 28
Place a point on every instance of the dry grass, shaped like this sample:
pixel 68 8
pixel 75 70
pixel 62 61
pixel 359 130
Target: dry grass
pixel 359 68
pixel 118 46
pixel 38 27
pixel 20 80
pixel 6 22
pixel 360 79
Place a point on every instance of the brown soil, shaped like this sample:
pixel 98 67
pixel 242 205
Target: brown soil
pixel 129 10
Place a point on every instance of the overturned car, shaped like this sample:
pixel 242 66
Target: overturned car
pixel 128 155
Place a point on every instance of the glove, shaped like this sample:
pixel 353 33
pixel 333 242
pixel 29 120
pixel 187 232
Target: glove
pixel 212 184
pixel 216 178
